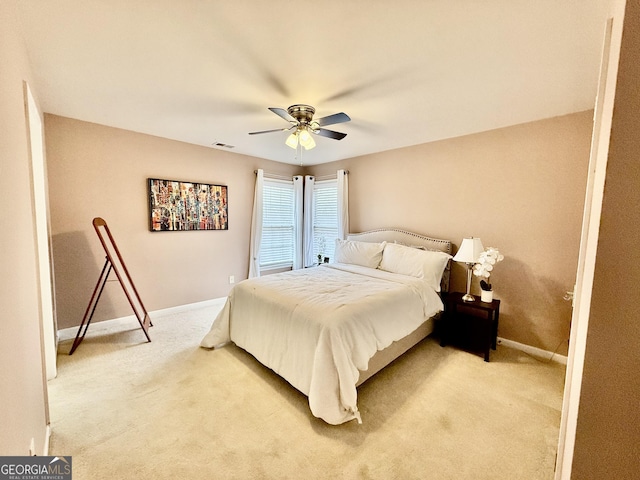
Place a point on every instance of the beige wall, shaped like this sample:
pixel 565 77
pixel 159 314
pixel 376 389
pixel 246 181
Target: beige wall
pixel 520 189
pixel 97 171
pixel 608 428
pixel 22 393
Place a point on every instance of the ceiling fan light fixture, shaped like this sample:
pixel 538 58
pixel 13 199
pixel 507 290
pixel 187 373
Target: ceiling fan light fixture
pixel 306 140
pixel 292 140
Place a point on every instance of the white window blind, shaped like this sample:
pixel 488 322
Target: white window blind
pixel 325 218
pixel 278 234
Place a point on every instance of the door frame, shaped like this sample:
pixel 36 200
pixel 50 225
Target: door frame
pixel 602 120
pixel 41 219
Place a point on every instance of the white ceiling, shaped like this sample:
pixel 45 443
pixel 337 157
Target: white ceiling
pixel 405 71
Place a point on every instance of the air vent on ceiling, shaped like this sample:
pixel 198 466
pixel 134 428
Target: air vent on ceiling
pixel 222 145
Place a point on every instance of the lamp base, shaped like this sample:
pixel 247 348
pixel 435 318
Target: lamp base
pixel 467 297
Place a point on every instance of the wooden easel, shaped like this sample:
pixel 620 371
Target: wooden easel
pixel 113 262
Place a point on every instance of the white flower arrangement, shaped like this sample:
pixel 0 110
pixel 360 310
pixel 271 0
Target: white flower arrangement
pixel 484 266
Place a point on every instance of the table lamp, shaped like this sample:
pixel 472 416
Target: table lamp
pixel 468 253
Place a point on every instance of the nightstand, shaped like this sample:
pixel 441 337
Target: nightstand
pixel 473 325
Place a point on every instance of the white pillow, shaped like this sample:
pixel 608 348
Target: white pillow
pixel 425 264
pixel 365 254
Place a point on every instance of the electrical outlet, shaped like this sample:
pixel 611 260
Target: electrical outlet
pixel 232 279
pixel 32 447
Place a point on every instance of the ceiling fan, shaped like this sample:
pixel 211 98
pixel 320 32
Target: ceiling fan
pixel 301 119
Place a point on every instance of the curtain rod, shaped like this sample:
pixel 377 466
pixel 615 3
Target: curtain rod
pixel 330 176
pixel 276 176
pixel 285 177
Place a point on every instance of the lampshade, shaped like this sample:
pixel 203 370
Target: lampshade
pixel 469 250
pixel 306 140
pixel 292 140
pixel 301 136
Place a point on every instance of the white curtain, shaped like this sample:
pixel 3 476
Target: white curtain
pixel 256 227
pixel 309 182
pixel 298 249
pixel 343 204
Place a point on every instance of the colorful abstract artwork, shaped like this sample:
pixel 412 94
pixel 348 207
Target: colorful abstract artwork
pixel 181 206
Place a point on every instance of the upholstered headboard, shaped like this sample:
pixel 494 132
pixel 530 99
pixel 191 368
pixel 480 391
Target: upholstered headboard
pixel 408 238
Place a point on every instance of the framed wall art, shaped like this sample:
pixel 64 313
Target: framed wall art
pixel 180 206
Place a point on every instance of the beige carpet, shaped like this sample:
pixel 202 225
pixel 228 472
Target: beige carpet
pixel 169 409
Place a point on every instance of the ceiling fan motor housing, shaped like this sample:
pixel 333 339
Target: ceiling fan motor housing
pixel 302 113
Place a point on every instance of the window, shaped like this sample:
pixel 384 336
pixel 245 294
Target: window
pixel 278 225
pixel 325 218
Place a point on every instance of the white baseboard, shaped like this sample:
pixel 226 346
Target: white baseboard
pixel 534 351
pixel 71 332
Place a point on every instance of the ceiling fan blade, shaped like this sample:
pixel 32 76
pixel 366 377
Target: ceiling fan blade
pixel 333 119
pixel 329 133
pixel 281 112
pixel 271 131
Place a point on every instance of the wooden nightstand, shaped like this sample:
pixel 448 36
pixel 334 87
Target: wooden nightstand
pixel 473 325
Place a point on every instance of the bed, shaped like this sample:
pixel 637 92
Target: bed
pixel 329 328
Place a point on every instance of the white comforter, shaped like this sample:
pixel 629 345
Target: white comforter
pixel 318 327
